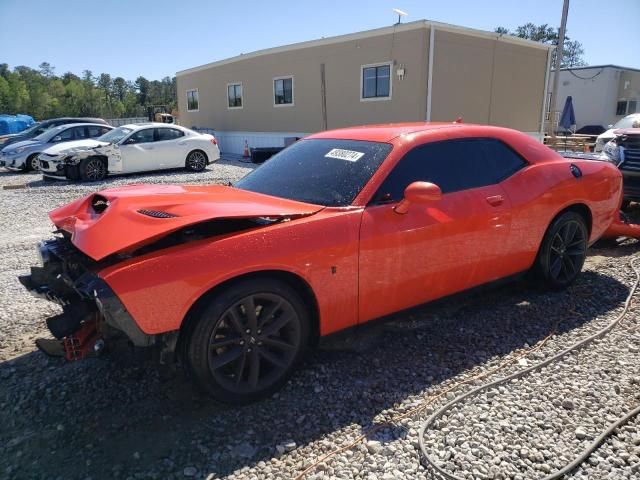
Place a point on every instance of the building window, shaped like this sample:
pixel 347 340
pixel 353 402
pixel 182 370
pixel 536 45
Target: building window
pixel 192 100
pixel 375 82
pixel 282 91
pixel 234 95
pixel 621 108
pixel 633 106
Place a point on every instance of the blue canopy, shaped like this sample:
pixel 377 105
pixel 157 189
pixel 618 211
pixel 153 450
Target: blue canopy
pixel 568 117
pixel 14 123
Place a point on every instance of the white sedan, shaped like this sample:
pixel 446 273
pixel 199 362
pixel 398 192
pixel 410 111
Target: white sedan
pixel 129 149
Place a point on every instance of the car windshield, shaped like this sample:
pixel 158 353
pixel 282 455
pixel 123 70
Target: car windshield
pixel 627 122
pixel 50 133
pixel 36 129
pixel 321 171
pixel 115 135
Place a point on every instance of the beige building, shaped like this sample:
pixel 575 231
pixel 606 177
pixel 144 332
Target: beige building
pixel 418 71
pixel 601 94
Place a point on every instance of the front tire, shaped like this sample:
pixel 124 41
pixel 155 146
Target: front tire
pixel 247 340
pixel 92 169
pixel 32 163
pixel 563 252
pixel 196 161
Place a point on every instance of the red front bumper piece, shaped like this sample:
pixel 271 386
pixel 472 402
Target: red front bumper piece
pixel 622 227
pixel 83 342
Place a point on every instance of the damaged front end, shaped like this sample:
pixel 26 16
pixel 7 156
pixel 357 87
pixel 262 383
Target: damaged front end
pixel 66 163
pixel 117 229
pixel 91 312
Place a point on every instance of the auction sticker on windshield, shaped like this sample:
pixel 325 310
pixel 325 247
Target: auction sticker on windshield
pixel 341 154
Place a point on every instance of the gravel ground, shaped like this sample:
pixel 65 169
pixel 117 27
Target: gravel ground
pixel 118 417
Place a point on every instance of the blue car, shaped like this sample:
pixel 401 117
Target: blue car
pixel 24 155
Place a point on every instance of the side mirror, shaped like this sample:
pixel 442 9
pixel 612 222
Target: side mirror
pixel 130 141
pixel 418 192
pixel 57 138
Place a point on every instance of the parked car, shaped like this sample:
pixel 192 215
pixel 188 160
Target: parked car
pixel 24 155
pixel 41 127
pixel 340 228
pixel 591 130
pixel 624 152
pixel 626 122
pixel 128 149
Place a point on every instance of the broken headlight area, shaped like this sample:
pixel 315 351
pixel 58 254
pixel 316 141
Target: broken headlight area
pixel 614 152
pixel 91 312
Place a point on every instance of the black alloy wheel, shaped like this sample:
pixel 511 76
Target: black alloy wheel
pixel 563 251
pixel 248 341
pixel 196 161
pixel 568 249
pixel 93 169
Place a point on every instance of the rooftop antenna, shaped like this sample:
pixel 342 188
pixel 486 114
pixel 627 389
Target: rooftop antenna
pixel 400 14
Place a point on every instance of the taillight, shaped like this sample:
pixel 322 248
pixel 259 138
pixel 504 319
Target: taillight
pixel 214 141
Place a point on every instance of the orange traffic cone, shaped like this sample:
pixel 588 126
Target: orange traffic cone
pixel 246 150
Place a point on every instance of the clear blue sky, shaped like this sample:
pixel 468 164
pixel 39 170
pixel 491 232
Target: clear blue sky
pixel 156 38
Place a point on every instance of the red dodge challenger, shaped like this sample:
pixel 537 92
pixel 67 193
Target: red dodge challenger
pixel 345 226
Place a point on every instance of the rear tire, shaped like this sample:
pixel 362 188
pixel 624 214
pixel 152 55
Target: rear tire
pixel 92 169
pixel 562 252
pixel 196 161
pixel 238 357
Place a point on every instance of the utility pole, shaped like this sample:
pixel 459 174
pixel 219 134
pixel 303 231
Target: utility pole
pixel 556 67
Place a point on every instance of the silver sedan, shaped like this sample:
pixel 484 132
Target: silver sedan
pixel 24 155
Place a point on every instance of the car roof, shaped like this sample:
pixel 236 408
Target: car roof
pixel 386 132
pixel 138 126
pixel 77 119
pixel 83 124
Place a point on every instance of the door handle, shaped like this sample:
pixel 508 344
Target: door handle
pixel 495 200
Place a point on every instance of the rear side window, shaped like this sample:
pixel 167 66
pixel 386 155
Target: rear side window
pixel 96 131
pixel 80 132
pixel 168 134
pixel 453 165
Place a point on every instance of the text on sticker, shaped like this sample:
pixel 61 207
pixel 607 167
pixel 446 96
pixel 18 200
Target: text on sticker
pixel 348 155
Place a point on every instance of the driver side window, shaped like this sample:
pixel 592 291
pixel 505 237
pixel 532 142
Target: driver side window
pixel 453 165
pixel 141 136
pixel 65 135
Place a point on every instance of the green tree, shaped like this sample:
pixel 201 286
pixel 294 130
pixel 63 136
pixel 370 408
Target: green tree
pixel 42 94
pixel 142 85
pixel 573 52
pixel 120 88
pixel 4 94
pixel 46 70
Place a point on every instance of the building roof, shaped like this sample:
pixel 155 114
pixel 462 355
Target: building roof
pixel 590 67
pixel 374 33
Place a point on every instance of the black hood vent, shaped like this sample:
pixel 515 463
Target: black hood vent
pixel 156 214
